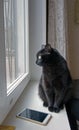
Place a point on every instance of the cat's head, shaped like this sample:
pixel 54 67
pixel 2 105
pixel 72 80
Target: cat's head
pixel 44 56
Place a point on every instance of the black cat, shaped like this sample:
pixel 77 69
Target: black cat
pixel 55 85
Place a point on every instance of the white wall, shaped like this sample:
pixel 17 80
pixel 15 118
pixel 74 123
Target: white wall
pixel 37 26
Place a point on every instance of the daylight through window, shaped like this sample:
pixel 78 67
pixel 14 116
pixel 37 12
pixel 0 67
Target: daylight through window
pixel 15 43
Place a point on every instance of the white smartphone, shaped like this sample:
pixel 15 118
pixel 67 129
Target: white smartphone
pixel 34 116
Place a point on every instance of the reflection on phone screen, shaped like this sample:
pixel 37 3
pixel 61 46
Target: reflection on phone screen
pixel 34 115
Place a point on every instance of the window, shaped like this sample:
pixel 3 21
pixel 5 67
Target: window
pixel 14 52
pixel 16 40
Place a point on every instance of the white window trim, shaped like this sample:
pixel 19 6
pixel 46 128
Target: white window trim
pixel 10 96
pixel 16 82
pixel 3 87
pixel 21 78
pixel 4 92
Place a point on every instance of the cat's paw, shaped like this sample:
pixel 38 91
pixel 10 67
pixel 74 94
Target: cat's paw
pixel 45 104
pixel 62 106
pixel 50 108
pixel 56 109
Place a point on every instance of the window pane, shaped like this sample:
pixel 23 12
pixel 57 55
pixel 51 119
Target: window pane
pixel 14 39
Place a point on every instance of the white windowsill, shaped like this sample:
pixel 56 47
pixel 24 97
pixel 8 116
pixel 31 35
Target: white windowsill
pixel 15 84
pixel 30 99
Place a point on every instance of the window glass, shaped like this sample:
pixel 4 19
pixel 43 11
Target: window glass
pixel 14 39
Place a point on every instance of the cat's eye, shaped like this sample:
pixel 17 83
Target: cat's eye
pixel 39 57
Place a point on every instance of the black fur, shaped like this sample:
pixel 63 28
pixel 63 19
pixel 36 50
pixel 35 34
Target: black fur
pixel 55 85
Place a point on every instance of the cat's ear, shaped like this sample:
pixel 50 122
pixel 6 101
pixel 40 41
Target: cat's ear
pixel 42 46
pixel 48 46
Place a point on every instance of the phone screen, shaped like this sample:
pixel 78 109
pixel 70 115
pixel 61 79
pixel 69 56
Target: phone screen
pixel 33 115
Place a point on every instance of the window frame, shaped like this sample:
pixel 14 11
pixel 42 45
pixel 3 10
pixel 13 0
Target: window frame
pixel 23 80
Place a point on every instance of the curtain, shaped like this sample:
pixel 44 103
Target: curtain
pixel 57 26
